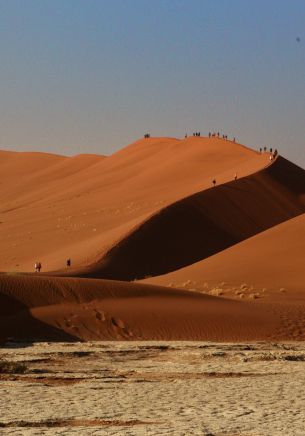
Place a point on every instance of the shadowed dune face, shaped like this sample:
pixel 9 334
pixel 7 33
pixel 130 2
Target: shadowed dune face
pixel 51 308
pixel 55 207
pixel 16 320
pixel 206 223
pixel 271 260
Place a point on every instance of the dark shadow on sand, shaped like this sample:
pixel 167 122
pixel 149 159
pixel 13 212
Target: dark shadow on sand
pixel 18 328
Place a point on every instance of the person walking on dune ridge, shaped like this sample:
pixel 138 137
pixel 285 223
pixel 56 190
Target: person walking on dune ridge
pixel 37 266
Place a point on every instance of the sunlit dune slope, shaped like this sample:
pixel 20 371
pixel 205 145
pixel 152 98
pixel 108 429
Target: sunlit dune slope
pixel 44 308
pixel 206 223
pixel 272 260
pixel 29 176
pixel 20 165
pixel 55 207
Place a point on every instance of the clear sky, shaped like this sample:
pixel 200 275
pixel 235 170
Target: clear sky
pixel 91 76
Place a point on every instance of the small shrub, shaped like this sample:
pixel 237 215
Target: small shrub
pixel 293 358
pixel 216 291
pixel 7 367
pixel 254 296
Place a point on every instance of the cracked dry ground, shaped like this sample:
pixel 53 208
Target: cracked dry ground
pixel 153 388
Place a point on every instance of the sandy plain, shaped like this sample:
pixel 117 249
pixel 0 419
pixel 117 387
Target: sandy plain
pixel 154 388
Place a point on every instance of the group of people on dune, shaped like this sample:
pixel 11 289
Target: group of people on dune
pixel 273 153
pixel 211 135
pixel 218 135
pixel 214 180
pixel 38 265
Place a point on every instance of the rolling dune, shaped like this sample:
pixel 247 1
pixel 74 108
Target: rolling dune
pixel 44 308
pixel 206 223
pixel 144 211
pixel 55 207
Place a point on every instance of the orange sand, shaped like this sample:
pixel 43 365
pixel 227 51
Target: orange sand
pixel 149 210
pixel 43 308
pixel 53 207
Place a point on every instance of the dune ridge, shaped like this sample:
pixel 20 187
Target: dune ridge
pixel 59 207
pixel 206 223
pixel 147 210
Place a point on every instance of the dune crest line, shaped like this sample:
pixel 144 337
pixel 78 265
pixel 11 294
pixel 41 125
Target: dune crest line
pixel 206 223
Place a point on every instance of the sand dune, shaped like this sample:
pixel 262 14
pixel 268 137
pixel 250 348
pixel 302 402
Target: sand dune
pixel 44 308
pixel 206 223
pixel 146 210
pixel 54 207
pixel 273 260
pixel 29 176
pixel 21 164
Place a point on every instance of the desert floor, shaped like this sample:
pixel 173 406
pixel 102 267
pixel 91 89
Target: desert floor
pixel 154 388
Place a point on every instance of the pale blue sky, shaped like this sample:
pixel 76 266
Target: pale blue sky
pixel 89 76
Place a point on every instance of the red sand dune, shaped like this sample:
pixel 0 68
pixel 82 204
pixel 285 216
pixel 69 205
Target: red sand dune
pixel 273 259
pixel 206 223
pixel 44 308
pixel 54 207
pixel 146 210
